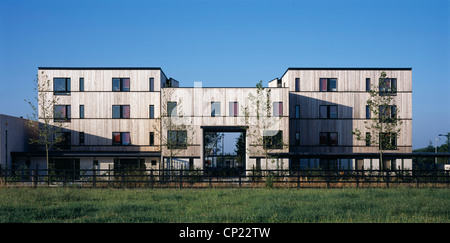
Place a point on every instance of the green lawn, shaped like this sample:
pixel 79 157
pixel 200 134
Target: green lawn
pixel 224 205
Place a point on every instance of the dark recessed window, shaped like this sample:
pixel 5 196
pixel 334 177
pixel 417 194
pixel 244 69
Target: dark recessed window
pixel 388 141
pixel 152 138
pixel 81 138
pixel 368 138
pixel 152 84
pixel 367 112
pixel 152 112
pixel 297 84
pixel 388 113
pixel 120 111
pixel 177 139
pixel 234 109
pixel 367 84
pixel 65 139
pixel 81 111
pixel 388 86
pixel 297 111
pixel 297 139
pixel 121 84
pixel 61 113
pixel 273 139
pixel 61 86
pixel 172 109
pixel 277 109
pixel 215 108
pixel 328 138
pixel 81 84
pixel 121 138
pixel 328 84
pixel 328 111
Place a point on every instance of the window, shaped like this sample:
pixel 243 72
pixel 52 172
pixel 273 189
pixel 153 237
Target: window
pixel 388 164
pixel 121 84
pixel 172 108
pixel 388 113
pixel 388 86
pixel 277 108
pixel 297 139
pixel 328 138
pixel 81 138
pixel 328 164
pixel 64 139
pixel 152 84
pixel 297 111
pixel 328 111
pixel 121 138
pixel 367 84
pixel 81 111
pixel 152 138
pixel 297 84
pixel 81 84
pixel 368 137
pixel 234 111
pixel 367 112
pixel 388 141
pixel 61 113
pixel 120 111
pixel 328 84
pixel 177 139
pixel 273 139
pixel 61 86
pixel 215 108
pixel 153 162
pixel 152 112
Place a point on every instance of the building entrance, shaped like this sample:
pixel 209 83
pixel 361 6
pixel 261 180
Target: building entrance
pixel 224 151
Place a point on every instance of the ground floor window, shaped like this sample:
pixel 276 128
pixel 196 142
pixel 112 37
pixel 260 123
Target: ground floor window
pixel 69 168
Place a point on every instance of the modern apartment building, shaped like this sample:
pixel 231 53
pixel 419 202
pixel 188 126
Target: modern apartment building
pixel 122 117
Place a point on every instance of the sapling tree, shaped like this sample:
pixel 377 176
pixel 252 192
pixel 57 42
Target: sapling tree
pixel 263 126
pixel 384 125
pixel 45 122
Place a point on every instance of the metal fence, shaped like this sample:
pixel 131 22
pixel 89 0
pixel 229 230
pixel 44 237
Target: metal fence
pixel 181 178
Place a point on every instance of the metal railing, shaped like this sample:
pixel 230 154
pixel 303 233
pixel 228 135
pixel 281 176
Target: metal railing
pixel 185 178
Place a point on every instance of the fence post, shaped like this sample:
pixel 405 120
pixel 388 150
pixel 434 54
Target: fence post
pixel 181 176
pixel 94 175
pixel 123 178
pixel 298 179
pixel 48 176
pixel 328 178
pixel 151 178
pixel 35 176
pixel 240 181
pixel 357 178
pixel 447 179
pixel 417 178
pixel 64 178
pixel 387 178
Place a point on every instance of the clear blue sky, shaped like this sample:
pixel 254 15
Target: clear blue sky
pixel 232 43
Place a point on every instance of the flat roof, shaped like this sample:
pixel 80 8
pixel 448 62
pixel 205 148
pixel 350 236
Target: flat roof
pixel 99 68
pixel 103 68
pixel 348 68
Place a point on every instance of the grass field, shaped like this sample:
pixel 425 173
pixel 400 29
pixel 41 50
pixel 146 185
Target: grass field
pixel 403 205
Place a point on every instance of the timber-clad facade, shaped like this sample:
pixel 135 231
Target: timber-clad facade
pixel 119 117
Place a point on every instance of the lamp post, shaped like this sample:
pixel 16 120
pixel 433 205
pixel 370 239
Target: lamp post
pixel 448 144
pixel 435 149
